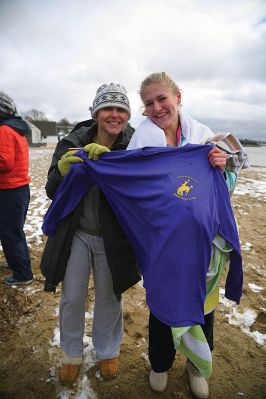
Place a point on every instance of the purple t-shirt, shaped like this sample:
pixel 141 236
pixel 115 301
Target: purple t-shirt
pixel 170 203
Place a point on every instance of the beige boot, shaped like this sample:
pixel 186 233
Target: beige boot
pixel 69 370
pixel 198 384
pixel 158 381
pixel 109 368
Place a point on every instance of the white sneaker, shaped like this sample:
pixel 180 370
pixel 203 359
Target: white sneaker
pixel 198 384
pixel 158 381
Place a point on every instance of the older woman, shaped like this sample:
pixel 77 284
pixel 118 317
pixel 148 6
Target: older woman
pixel 90 239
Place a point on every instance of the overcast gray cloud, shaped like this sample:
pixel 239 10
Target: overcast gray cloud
pixel 55 53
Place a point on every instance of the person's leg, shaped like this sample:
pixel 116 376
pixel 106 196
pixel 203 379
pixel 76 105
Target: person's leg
pixel 161 345
pixel 198 384
pixel 161 353
pixel 74 296
pixel 14 207
pixel 108 320
pixel 207 328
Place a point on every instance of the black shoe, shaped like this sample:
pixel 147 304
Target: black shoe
pixel 10 280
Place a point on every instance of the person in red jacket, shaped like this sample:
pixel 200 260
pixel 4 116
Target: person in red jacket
pixel 14 191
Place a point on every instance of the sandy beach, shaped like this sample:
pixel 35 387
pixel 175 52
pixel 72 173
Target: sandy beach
pixel 29 337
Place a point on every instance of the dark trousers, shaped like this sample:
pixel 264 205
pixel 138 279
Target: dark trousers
pixel 161 345
pixel 13 210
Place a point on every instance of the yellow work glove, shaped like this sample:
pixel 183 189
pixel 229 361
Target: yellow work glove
pixel 95 150
pixel 66 161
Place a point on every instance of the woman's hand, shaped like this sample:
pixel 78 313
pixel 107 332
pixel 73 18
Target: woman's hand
pixel 95 151
pixel 66 161
pixel 217 158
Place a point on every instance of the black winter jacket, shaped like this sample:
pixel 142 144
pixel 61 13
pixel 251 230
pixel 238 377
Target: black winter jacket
pixel 120 257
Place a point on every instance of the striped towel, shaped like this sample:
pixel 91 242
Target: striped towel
pixel 192 343
pixel 191 340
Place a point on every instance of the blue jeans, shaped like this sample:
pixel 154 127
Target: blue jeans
pixel 13 210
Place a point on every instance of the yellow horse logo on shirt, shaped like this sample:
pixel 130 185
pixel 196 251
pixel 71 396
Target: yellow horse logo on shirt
pixel 184 189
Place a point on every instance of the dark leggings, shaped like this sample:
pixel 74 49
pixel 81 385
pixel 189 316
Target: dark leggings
pixel 161 346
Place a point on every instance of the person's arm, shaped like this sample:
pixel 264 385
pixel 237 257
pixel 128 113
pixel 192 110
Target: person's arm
pixel 218 158
pixel 54 177
pixel 7 150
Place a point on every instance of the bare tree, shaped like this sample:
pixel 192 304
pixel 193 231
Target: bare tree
pixel 35 115
pixel 64 122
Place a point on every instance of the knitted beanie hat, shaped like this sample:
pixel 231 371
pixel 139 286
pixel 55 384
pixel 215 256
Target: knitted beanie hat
pixel 112 95
pixel 7 106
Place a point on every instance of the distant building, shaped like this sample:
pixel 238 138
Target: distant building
pixel 48 131
pixel 35 137
pixel 47 128
pixel 51 132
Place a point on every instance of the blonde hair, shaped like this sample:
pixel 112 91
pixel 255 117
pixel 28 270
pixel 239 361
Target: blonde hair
pixel 159 77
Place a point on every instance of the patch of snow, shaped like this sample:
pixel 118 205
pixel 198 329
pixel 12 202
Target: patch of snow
pixel 88 353
pixel 255 288
pixel 254 188
pixel 89 315
pixel 98 375
pixel 56 341
pixel 247 246
pixel 260 270
pixel 63 395
pixel 85 390
pixel 244 320
pixel 146 357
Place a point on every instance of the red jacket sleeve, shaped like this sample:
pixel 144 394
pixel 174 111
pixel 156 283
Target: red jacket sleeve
pixel 7 149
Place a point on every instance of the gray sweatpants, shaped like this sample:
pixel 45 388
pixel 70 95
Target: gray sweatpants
pixel 87 252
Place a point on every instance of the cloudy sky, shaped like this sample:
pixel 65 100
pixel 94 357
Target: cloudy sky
pixel 55 53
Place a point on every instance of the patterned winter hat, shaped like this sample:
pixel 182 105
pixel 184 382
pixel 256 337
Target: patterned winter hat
pixel 7 106
pixel 112 95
